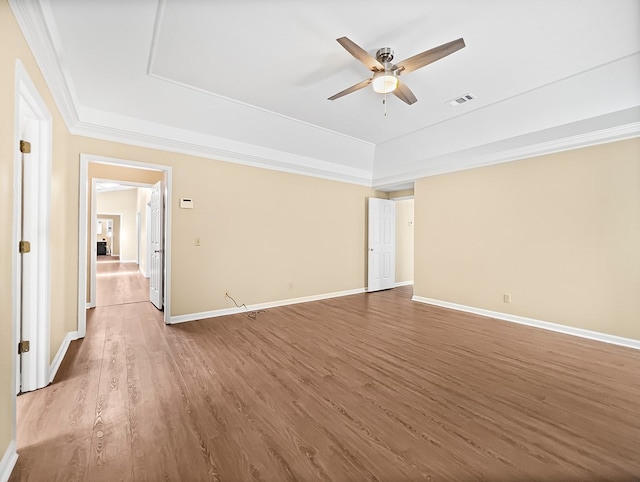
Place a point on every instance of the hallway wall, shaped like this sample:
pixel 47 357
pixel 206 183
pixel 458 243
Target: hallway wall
pixel 64 213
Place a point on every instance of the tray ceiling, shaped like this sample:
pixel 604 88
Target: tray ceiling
pixel 248 81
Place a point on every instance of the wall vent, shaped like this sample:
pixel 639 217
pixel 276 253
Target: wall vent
pixel 461 100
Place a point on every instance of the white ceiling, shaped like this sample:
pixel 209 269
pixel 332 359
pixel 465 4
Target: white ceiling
pixel 248 81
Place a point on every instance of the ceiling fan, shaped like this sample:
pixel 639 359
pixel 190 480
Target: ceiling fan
pixel 385 74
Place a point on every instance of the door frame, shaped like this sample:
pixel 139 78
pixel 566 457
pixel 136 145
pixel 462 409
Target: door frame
pixel 83 230
pixel 31 108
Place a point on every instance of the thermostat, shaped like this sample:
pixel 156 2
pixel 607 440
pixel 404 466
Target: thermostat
pixel 186 203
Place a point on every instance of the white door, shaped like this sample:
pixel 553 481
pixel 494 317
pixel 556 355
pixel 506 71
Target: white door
pixel 156 266
pixel 31 262
pixel 382 244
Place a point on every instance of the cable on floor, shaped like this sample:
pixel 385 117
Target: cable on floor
pixel 251 314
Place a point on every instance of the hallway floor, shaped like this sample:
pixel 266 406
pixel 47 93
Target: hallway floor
pixel 118 283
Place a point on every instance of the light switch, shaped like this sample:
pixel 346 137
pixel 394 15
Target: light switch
pixel 186 203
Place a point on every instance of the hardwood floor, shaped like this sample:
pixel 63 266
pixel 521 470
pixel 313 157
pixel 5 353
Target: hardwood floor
pixel 365 387
pixel 118 283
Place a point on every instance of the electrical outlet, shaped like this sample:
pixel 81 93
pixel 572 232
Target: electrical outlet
pixel 197 241
pixel 291 285
pixel 506 297
pixel 226 293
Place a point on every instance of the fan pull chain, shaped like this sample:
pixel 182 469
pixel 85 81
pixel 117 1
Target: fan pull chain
pixel 384 102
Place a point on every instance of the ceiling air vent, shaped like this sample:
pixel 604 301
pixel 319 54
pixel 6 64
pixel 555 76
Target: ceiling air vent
pixel 461 100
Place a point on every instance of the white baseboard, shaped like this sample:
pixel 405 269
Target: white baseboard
pixel 57 360
pixel 8 461
pixel 403 283
pixel 569 330
pixel 261 306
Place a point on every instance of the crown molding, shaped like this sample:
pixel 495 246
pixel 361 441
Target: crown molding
pixel 37 25
pixel 36 30
pixel 42 40
pixel 458 161
pixel 176 140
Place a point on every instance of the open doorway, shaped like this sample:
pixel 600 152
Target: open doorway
pixel 390 241
pixel 120 271
pixel 136 175
pixel 404 240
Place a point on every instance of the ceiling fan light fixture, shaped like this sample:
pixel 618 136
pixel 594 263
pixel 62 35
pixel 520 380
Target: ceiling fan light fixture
pixel 384 82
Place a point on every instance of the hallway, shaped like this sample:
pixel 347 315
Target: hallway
pixel 119 283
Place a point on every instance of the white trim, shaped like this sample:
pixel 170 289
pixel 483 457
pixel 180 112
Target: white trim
pixel 32 19
pixel 39 29
pixel 83 213
pixel 402 198
pixel 62 351
pixel 29 104
pixel 151 135
pixel 8 461
pixel 93 248
pixel 262 306
pixel 545 325
pixel 457 161
pixel 83 209
pixel 403 283
pixel 168 201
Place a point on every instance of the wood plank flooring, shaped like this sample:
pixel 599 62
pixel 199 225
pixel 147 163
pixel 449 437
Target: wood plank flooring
pixel 118 283
pixel 365 387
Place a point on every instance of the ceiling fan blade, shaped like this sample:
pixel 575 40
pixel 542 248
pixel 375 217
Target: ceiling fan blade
pixel 404 93
pixel 429 56
pixel 360 54
pixel 353 88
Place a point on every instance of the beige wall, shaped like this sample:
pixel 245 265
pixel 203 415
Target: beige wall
pixel 265 235
pixel 64 209
pixel 7 61
pixel 404 240
pixel 112 172
pixel 561 233
pixel 123 202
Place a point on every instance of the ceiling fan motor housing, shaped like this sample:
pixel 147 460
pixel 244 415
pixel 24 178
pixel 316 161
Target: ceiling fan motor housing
pixel 384 55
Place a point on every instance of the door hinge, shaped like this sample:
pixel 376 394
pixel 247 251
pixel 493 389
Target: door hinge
pixel 25 147
pixel 24 247
pixel 23 347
